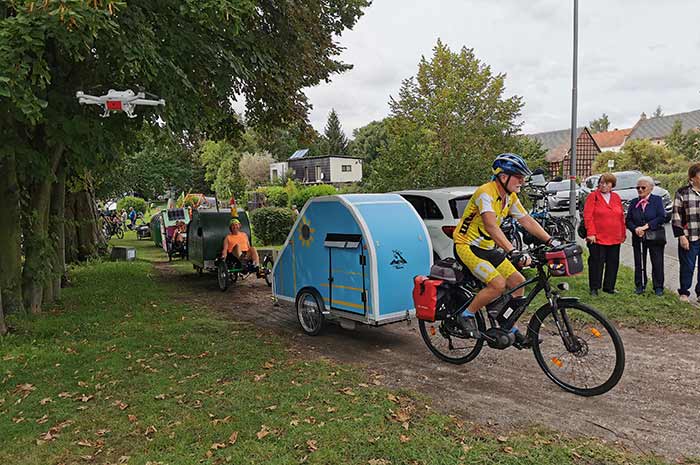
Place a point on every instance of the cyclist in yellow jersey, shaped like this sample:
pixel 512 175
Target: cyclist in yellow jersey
pixel 481 245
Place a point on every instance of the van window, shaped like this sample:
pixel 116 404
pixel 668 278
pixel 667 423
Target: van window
pixel 426 207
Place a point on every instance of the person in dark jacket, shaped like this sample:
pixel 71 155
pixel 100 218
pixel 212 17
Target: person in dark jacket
pixel 605 225
pixel 646 213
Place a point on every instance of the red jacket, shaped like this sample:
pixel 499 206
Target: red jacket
pixel 605 221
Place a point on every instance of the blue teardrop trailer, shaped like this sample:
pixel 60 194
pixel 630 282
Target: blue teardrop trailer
pixel 352 259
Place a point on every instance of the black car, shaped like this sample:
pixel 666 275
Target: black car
pixel 626 188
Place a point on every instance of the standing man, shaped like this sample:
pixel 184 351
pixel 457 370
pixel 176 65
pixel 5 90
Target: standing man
pixel 686 227
pixel 132 217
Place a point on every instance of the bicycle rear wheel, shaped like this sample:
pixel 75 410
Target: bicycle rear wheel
pixel 593 362
pixel 448 347
pixel 566 229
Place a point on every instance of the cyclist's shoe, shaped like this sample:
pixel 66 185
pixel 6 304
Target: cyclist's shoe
pixel 468 325
pixel 523 341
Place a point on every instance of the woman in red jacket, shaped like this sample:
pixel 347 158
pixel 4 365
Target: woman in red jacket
pixel 605 229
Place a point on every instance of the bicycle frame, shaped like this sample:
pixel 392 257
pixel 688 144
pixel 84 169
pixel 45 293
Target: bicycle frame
pixel 542 284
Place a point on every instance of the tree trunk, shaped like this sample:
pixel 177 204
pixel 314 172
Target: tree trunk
pixel 37 242
pixel 84 237
pixel 3 326
pixel 10 236
pixel 52 289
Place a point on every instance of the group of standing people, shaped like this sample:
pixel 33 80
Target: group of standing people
pixel 606 224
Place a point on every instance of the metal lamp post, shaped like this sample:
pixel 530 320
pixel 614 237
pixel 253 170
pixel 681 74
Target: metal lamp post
pixel 572 158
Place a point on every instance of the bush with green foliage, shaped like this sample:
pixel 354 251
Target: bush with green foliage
pixel 138 203
pixel 271 225
pixel 671 181
pixel 301 197
pixel 276 196
pixel 352 189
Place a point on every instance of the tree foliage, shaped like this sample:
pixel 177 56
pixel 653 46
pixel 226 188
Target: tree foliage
pixel 369 141
pixel 221 161
pixel 658 112
pixel 447 124
pixel 687 144
pixel 600 124
pixel 644 156
pixel 255 168
pixel 334 135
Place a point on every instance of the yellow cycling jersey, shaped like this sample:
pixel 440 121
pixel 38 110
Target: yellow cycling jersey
pixel 470 229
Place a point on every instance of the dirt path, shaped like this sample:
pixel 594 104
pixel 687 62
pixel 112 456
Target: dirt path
pixel 655 407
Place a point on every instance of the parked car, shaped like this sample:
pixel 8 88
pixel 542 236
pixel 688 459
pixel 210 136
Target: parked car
pixel 558 194
pixel 441 210
pixel 626 189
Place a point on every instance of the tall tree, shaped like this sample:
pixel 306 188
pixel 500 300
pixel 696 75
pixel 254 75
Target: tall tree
pixel 369 141
pixel 335 137
pixel 658 112
pixel 599 125
pixel 447 124
pixel 255 168
pixel 198 55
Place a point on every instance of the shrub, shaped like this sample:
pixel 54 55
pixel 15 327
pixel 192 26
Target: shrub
pixel 138 203
pixel 271 225
pixel 671 181
pixel 301 197
pixel 276 196
pixel 351 189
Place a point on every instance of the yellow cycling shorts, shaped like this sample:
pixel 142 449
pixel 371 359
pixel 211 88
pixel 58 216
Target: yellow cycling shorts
pixel 485 264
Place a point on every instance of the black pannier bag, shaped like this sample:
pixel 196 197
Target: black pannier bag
pixel 566 260
pixel 448 270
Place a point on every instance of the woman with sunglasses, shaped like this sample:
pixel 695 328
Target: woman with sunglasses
pixel 605 225
pixel 645 219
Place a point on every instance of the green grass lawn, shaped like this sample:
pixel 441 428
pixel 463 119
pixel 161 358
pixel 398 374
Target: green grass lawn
pixel 119 372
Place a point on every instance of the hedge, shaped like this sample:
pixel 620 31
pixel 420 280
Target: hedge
pixel 271 225
pixel 671 182
pixel 300 198
pixel 138 203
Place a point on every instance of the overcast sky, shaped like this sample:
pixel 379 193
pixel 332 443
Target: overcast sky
pixel 633 56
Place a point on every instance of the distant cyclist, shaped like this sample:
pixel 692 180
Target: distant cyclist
pixel 481 245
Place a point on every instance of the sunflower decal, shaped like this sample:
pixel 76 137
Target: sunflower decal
pixel 305 232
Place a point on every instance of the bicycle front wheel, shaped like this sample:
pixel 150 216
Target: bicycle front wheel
pixel 446 346
pixel 577 348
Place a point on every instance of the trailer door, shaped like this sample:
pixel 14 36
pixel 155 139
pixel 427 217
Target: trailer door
pixel 347 273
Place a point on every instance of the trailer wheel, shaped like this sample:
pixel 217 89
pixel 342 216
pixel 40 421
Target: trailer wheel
pixel 310 311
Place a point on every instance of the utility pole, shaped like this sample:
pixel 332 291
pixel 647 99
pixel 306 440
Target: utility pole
pixel 572 158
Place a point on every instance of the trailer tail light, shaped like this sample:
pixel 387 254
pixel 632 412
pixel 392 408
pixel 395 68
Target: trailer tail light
pixel 448 230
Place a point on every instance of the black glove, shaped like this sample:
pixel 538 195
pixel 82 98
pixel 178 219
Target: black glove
pixel 518 258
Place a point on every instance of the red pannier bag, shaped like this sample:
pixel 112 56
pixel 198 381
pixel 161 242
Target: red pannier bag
pixel 566 260
pixel 426 294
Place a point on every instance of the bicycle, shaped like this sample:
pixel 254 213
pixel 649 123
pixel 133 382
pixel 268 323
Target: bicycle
pixel 559 227
pixel 573 343
pixel 227 273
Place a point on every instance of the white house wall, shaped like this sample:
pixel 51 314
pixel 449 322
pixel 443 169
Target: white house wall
pixel 281 169
pixel 337 173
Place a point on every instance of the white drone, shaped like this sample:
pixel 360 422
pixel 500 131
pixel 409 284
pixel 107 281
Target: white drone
pixel 117 100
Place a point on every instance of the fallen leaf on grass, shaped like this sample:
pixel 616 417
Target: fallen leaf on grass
pixel 124 459
pixel 294 423
pixel 331 409
pixel 404 439
pixel 259 377
pixel 508 450
pixel 216 421
pixel 85 443
pixel 268 365
pixel 132 418
pixel 121 405
pixel 160 397
pixel 82 384
pixel 150 431
pixel 347 391
pixel 233 438
pixel 312 445
pixel 378 462
pixel 17 419
pixel 393 398
pixel 65 395
pixel 42 420
pixel 24 389
pixel 85 398
pixel 45 400
pixel 263 432
pixel 271 407
pixel 217 446
pixel 502 438
pixel 102 432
